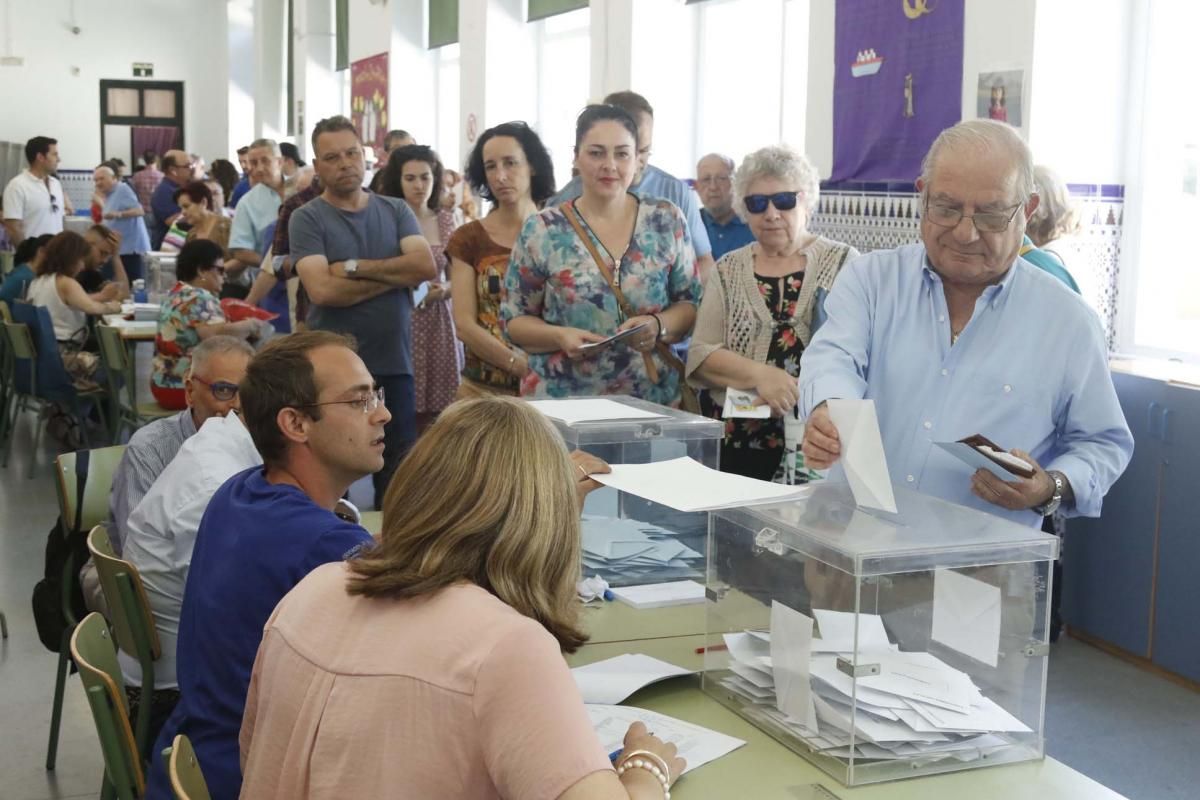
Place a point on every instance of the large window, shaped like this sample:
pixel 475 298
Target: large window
pixel 1159 265
pixel 447 137
pixel 563 44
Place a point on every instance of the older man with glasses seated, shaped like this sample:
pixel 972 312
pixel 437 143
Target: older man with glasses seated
pixel 958 335
pixel 160 491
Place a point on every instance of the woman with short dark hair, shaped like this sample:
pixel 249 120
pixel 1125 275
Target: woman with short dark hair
pixel 189 314
pixel 600 265
pixel 510 167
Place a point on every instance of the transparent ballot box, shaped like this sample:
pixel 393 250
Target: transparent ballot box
pixel 882 646
pixel 628 540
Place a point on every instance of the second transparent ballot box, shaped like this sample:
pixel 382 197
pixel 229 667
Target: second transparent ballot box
pixel 881 646
pixel 628 540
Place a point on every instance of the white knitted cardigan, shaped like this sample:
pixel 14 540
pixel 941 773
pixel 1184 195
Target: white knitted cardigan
pixel 733 315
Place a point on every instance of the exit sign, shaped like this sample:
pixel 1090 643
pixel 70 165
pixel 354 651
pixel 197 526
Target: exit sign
pixel 143 70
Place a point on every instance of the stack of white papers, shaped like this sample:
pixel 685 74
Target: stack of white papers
pixel 590 410
pixel 628 550
pixel 917 707
pixel 614 679
pixel 658 595
pixel 685 484
pixel 697 745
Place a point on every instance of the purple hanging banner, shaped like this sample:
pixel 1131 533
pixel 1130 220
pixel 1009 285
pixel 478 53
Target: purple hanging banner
pixel 897 84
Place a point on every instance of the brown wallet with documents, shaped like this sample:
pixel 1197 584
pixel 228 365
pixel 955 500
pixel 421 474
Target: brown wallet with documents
pixel 978 440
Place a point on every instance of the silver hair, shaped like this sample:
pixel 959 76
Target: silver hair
pixel 724 159
pixel 1055 215
pixel 782 162
pixel 111 171
pixel 986 136
pixel 215 346
pixel 271 143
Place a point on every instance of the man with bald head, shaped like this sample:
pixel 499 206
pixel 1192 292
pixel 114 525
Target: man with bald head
pixel 176 167
pixel 123 213
pixel 714 183
pixel 958 335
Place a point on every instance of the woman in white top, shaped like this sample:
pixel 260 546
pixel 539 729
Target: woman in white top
pixel 55 288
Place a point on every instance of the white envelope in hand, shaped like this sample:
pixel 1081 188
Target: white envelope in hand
pixel 862 456
pixel 966 615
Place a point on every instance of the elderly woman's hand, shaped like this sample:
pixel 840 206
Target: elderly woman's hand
pixel 777 389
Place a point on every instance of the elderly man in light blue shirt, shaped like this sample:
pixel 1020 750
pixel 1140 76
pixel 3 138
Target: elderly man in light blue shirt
pixel 651 182
pixel 958 335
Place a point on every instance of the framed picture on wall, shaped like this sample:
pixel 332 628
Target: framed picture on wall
pixel 1000 96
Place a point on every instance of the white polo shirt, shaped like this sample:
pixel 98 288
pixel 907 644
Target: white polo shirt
pixel 37 203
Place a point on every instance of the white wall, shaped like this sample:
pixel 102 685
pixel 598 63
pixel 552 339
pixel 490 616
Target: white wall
pixel 370 29
pixel 994 35
pixel 46 96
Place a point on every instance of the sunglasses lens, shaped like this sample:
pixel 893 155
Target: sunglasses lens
pixel 784 201
pixel 756 203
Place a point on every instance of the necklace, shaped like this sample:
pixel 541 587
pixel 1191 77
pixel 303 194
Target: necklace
pixel 954 336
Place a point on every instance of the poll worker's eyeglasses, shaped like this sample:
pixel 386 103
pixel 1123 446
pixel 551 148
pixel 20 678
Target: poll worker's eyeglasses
pixel 783 201
pixel 365 403
pixel 984 221
pixel 223 391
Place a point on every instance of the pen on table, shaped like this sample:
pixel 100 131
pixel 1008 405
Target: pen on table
pixel 608 595
pixel 615 754
pixel 712 648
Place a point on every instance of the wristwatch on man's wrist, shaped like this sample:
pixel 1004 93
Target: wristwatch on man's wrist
pixel 350 267
pixel 1051 505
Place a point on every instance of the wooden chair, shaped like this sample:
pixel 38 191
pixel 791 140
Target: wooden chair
pixel 93 511
pixel 187 779
pixel 96 656
pixel 125 410
pixel 132 622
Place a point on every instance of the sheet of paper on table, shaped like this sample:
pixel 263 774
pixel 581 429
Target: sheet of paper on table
pixel 659 595
pixel 863 459
pixel 685 484
pixel 614 679
pixel 590 410
pixel 697 745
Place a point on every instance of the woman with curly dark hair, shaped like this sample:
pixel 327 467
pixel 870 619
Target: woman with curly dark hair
pixel 510 168
pixel 414 174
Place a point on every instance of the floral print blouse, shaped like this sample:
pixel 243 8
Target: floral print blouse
pixel 552 275
pixel 183 310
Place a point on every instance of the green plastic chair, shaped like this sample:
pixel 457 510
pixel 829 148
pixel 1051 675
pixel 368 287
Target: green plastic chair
pixel 102 463
pixel 7 391
pixel 187 779
pixel 96 656
pixel 132 622
pixel 126 411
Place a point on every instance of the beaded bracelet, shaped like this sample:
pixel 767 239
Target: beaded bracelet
pixel 658 770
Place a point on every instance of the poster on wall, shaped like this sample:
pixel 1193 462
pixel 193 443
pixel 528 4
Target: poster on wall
pixel 368 99
pixel 897 84
pixel 1000 95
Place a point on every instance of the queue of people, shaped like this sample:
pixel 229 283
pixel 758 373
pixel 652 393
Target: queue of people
pixel 292 626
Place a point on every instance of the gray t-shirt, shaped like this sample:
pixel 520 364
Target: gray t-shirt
pixel 383 324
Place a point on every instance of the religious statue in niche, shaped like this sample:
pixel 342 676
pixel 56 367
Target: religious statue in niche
pixel 908 95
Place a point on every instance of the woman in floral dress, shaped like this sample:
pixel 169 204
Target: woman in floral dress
pixel 559 299
pixel 763 305
pixel 414 174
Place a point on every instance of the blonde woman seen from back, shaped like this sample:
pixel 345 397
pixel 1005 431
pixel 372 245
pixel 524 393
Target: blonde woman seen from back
pixel 436 656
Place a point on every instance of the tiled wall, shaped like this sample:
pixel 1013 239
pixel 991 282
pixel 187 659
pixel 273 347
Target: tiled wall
pixel 881 216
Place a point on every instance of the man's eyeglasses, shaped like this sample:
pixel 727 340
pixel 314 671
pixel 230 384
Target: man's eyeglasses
pixel 714 180
pixel 365 403
pixel 984 221
pixel 221 390
pixel 783 201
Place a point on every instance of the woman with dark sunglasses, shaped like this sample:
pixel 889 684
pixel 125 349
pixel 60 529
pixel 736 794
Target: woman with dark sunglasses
pixel 189 314
pixel 764 305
